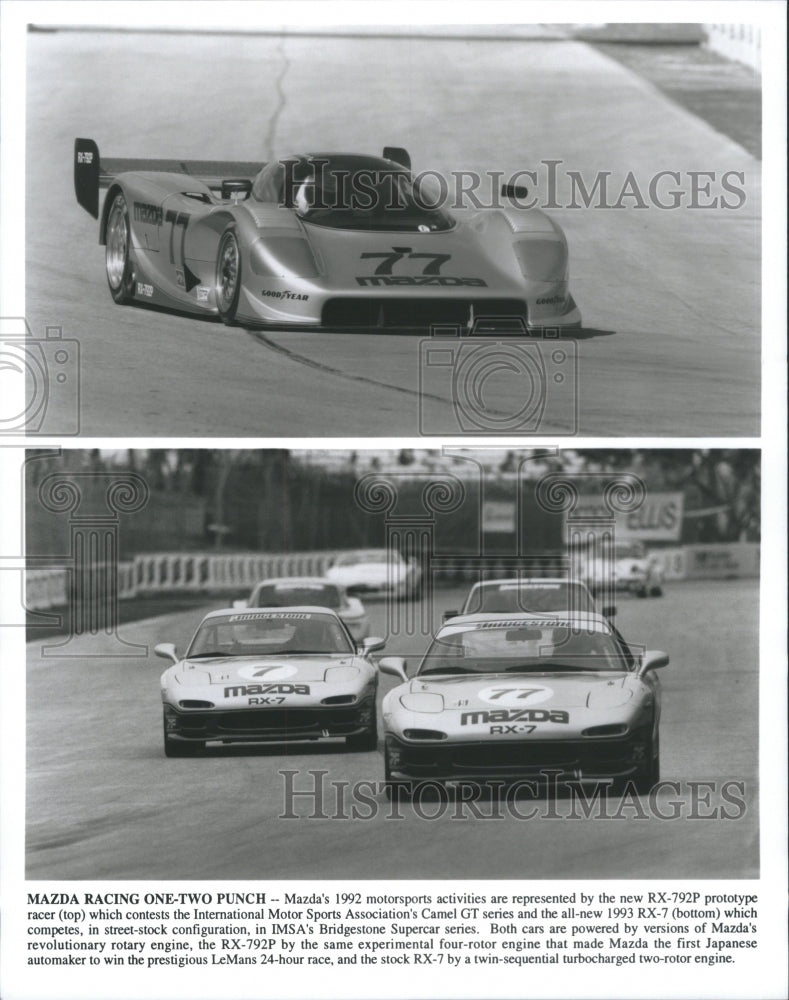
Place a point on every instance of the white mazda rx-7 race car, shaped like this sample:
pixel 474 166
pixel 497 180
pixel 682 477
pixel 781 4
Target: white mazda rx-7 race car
pixel 269 674
pixel 322 240
pixel 524 697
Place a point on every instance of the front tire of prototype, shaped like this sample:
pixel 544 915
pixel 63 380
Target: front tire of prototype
pixel 368 740
pixel 120 270
pixel 228 276
pixel 176 748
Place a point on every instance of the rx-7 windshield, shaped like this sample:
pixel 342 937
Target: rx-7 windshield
pixel 507 597
pixel 269 634
pixel 280 595
pixel 518 648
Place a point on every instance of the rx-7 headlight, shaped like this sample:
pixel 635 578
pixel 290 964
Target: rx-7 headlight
pixel 193 678
pixel 341 675
pixel 542 260
pixel 283 257
pixel 608 697
pixel 422 701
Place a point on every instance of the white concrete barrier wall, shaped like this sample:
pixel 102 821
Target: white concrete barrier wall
pixel 741 42
pixel 234 573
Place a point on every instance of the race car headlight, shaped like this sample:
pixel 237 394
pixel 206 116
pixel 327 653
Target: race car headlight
pixel 339 699
pixel 341 675
pixel 193 678
pixel 422 701
pixel 283 257
pixel 542 260
pixel 193 703
pixel 608 697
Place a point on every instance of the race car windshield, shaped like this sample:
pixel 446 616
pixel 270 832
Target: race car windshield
pixel 372 200
pixel 280 595
pixel 504 598
pixel 524 648
pixel 270 634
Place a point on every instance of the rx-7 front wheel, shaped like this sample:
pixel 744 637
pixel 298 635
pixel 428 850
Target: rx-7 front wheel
pixel 120 271
pixel 228 276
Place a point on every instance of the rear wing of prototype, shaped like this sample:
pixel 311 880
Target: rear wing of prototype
pixel 92 173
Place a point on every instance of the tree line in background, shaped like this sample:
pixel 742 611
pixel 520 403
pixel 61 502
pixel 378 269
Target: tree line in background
pixel 277 500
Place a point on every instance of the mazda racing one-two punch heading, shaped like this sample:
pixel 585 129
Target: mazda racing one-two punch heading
pixel 334 241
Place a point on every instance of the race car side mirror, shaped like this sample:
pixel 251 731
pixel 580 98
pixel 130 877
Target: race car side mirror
pixel 450 614
pixel 653 659
pixel 371 644
pixel 394 665
pixel 397 155
pixel 609 611
pixel 241 603
pixel 166 650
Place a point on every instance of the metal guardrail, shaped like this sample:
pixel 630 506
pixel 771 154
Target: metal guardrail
pixel 232 573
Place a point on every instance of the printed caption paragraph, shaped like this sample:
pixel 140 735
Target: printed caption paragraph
pixel 150 930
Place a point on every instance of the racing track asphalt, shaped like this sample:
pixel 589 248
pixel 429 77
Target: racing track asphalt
pixel 103 802
pixel 670 298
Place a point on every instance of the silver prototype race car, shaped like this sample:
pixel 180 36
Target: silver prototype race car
pixel 334 240
pixel 517 697
pixel 269 674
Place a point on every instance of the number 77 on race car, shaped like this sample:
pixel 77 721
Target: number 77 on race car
pixel 321 241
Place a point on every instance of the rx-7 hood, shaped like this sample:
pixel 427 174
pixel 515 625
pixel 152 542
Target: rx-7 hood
pixel 548 691
pixel 516 707
pixel 311 669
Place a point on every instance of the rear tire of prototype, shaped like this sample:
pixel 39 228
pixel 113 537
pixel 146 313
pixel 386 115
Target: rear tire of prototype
pixel 118 263
pixel 228 276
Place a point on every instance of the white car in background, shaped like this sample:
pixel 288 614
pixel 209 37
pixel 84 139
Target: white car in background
pixel 632 569
pixel 283 592
pixel 377 572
